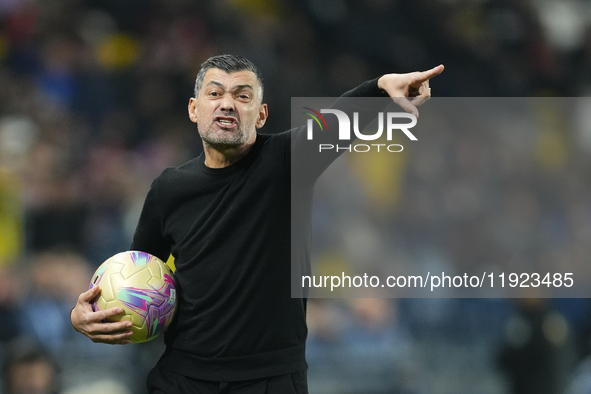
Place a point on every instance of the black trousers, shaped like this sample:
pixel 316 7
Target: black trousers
pixel 163 381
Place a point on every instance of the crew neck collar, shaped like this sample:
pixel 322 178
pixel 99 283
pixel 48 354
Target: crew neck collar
pixel 234 166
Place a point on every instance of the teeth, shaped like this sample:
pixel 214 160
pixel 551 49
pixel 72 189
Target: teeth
pixel 223 121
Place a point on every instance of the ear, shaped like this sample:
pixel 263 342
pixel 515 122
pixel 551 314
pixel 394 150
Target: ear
pixel 193 109
pixel 263 114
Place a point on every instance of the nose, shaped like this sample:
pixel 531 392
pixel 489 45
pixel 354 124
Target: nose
pixel 227 103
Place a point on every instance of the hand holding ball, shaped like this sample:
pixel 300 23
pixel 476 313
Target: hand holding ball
pixel 143 286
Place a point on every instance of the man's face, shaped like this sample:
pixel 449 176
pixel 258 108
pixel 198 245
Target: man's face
pixel 228 109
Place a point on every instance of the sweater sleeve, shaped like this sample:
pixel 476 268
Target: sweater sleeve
pixel 148 234
pixel 308 161
pixel 366 89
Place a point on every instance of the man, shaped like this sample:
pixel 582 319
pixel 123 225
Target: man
pixel 225 217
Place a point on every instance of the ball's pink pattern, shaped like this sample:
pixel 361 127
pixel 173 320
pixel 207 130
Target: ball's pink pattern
pixel 154 305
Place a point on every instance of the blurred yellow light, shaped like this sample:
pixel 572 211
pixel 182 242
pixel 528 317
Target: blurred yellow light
pixel 118 51
pixel 258 6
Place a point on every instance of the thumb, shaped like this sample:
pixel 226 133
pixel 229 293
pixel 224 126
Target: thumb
pixel 406 105
pixel 89 294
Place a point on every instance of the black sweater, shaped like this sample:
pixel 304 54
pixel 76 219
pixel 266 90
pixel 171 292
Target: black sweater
pixel 229 230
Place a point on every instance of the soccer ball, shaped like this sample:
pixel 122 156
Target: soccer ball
pixel 143 286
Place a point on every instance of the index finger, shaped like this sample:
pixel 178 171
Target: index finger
pixel 423 76
pixel 101 315
pixel 89 295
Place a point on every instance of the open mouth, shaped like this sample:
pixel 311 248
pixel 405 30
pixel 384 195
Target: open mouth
pixel 226 121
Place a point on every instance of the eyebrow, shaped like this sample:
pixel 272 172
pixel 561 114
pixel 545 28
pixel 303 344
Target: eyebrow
pixel 238 87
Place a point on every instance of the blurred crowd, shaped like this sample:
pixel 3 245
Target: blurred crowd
pixel 93 97
pixel 493 184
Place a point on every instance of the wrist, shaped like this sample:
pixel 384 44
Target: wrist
pixel 72 319
pixel 381 83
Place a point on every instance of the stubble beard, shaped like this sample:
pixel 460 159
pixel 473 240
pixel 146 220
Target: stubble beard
pixel 215 136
